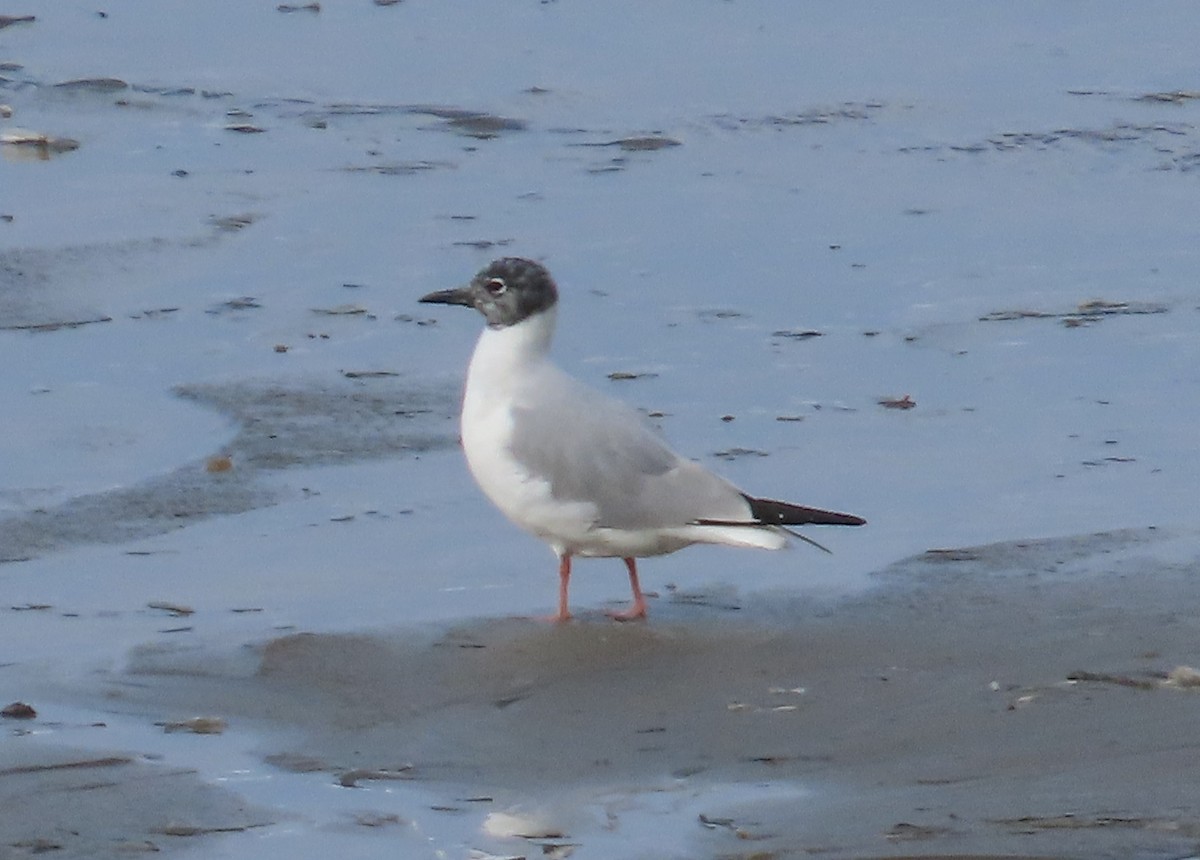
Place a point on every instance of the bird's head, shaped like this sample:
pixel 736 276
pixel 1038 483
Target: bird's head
pixel 507 291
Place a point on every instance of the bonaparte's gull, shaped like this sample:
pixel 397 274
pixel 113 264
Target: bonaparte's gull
pixel 578 469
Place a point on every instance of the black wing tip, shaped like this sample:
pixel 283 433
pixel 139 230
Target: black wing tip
pixel 775 513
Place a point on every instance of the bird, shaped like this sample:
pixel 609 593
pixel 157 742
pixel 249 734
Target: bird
pixel 581 470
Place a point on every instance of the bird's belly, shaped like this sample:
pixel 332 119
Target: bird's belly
pixel 626 543
pixel 520 496
pixel 569 526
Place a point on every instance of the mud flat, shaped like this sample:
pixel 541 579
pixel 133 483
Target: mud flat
pixel 1017 699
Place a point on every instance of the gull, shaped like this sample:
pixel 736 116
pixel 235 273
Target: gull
pixel 581 470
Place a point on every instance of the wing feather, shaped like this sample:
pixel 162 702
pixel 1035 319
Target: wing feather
pixel 594 449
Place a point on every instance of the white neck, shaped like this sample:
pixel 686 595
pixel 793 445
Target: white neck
pixel 502 352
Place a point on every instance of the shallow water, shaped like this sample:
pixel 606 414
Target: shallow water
pixel 228 266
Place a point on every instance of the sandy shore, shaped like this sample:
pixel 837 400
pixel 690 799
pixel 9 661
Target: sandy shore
pixel 1043 721
pixel 868 262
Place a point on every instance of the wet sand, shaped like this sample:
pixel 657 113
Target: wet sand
pixel 1008 700
pixel 873 263
pixel 89 803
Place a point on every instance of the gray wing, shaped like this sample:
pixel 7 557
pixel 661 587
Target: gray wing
pixel 595 449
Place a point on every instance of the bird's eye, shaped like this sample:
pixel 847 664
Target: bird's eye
pixel 496 287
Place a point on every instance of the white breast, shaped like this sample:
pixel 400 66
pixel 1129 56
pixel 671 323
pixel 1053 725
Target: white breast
pixel 506 361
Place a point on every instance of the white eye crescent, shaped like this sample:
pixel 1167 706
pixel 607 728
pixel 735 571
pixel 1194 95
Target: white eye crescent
pixel 496 287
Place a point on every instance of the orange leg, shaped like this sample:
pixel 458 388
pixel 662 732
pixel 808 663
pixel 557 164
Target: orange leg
pixel 638 608
pixel 564 584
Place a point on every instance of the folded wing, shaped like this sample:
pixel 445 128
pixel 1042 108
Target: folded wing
pixel 593 449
